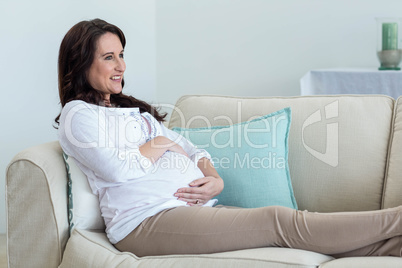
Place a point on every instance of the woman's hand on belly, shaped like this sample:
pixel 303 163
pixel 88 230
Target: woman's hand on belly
pixel 200 191
pixel 178 149
pixel 156 147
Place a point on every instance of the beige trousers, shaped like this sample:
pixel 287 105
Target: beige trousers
pixel 196 230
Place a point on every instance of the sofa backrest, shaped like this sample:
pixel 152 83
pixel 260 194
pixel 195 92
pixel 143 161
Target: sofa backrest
pixel 338 145
pixel 393 183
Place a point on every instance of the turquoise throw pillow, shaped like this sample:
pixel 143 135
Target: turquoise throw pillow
pixel 252 159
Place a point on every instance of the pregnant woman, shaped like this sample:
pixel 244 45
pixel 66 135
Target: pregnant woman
pixel 156 189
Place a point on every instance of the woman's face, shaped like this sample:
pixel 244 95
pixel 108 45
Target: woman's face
pixel 107 69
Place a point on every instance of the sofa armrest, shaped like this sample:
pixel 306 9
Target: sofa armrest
pixel 36 201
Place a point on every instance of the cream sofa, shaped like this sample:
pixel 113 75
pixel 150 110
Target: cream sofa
pixel 345 155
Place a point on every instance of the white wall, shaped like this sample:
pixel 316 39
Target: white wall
pixel 31 32
pixel 260 47
pixel 176 47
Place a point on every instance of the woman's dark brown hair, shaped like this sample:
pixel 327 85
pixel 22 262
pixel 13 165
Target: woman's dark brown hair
pixel 75 58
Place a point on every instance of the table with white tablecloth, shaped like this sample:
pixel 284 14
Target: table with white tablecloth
pixel 352 81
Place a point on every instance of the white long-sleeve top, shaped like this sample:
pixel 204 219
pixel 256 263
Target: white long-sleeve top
pixel 105 145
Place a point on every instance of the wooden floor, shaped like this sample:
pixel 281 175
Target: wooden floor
pixel 3 258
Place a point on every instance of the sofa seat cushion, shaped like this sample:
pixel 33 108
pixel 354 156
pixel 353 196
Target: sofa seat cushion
pixel 366 262
pixel 92 249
